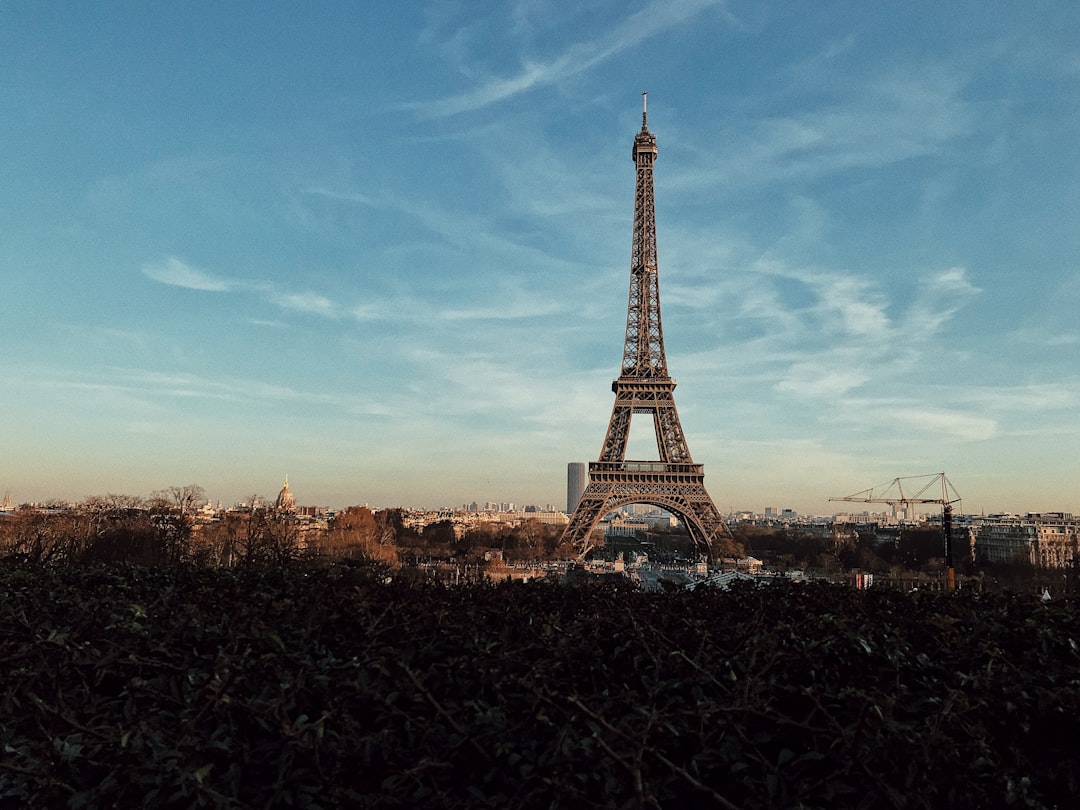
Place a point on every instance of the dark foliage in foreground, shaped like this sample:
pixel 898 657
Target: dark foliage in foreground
pixel 135 687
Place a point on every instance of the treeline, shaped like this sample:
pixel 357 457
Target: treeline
pixel 843 548
pixel 108 528
pixel 897 553
pixel 168 527
pixel 357 532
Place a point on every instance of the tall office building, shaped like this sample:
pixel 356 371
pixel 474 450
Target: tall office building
pixel 576 480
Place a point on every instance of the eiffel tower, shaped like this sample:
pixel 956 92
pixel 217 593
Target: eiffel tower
pixel 674 482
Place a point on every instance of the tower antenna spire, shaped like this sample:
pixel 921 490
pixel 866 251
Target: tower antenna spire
pixel 644 111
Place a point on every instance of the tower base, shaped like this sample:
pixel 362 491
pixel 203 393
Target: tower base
pixel 676 488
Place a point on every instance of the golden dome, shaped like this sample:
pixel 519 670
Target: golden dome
pixel 285 499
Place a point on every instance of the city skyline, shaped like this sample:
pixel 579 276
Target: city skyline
pixel 385 250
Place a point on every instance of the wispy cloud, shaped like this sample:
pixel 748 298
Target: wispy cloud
pixel 308 302
pixel 842 349
pixel 1043 335
pixel 176 273
pixel 444 235
pixel 1062 395
pixel 504 301
pixel 109 339
pixel 937 421
pixel 654 19
pixel 819 380
pixel 140 389
pixel 940 297
pixel 852 303
pixel 342 196
pixel 880 120
pixel 507 302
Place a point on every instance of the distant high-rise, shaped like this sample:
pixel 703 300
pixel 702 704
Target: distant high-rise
pixel 576 481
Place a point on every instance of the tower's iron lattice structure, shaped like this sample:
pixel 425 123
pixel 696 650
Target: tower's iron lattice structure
pixel 674 482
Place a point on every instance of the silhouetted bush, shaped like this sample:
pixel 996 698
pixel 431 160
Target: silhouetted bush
pixel 339 686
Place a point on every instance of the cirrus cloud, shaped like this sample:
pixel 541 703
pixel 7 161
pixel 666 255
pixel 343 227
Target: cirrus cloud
pixel 176 273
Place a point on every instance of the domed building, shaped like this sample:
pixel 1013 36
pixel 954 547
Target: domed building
pixel 286 501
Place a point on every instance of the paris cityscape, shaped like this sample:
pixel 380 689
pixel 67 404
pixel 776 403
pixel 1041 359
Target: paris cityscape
pixel 615 505
pixel 341 466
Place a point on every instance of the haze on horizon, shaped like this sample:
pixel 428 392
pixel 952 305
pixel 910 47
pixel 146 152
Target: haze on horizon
pixel 385 249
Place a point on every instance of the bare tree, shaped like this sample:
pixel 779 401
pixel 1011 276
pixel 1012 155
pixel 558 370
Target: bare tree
pixel 281 535
pixel 357 532
pixel 39 536
pixel 173 512
pixel 117 527
pixel 251 545
pixel 225 540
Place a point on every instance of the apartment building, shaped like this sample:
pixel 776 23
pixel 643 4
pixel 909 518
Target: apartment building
pixel 1044 539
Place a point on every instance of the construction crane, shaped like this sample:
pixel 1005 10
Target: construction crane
pixel 892 493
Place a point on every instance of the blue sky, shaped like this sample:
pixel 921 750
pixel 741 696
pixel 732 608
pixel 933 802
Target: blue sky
pixel 384 248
